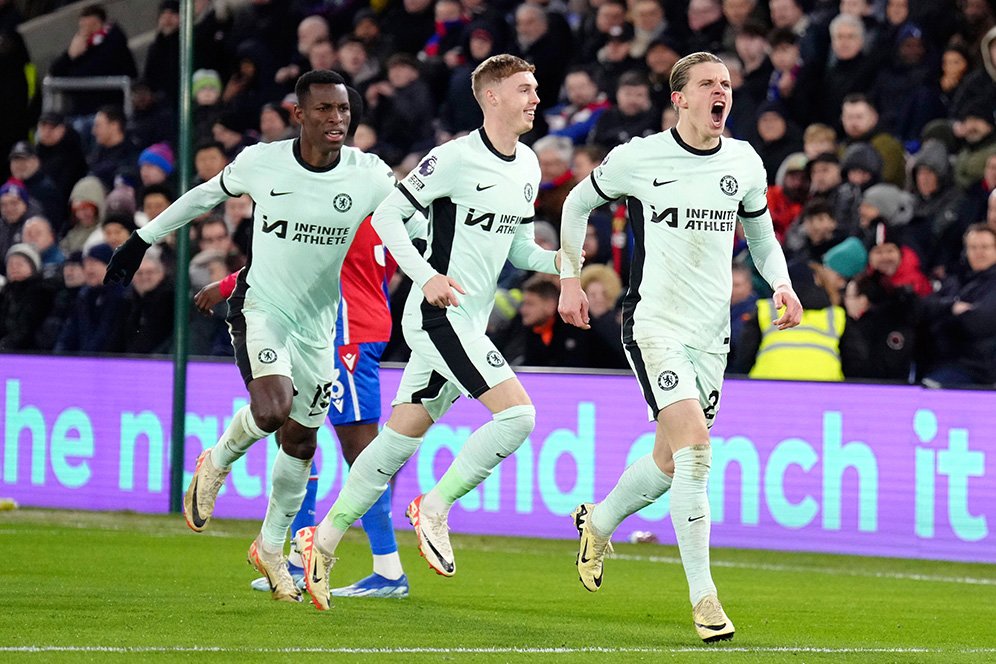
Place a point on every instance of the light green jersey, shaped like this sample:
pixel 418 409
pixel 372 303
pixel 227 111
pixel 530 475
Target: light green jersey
pixel 304 219
pixel 683 205
pixel 480 207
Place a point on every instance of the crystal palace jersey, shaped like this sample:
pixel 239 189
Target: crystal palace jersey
pixel 304 220
pixel 683 205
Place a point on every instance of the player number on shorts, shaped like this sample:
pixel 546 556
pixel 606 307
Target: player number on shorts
pixel 710 410
pixel 322 396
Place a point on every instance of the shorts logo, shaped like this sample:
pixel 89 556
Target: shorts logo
pixel 267 356
pixel 427 167
pixel 527 191
pixel 729 185
pixel 495 359
pixel 342 202
pixel 896 340
pixel 667 380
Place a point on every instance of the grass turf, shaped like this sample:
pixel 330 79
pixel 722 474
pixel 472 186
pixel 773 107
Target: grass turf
pixel 125 587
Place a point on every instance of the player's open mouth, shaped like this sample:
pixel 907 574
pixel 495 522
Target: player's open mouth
pixel 716 113
pixel 335 134
pixel 531 114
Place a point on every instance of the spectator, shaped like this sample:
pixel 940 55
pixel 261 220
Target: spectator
pixel 660 58
pixel 556 179
pixel 162 61
pixel 904 87
pixel 13 213
pixel 378 46
pixel 99 48
pixel 707 26
pixel 576 118
pixel 860 167
pixel 752 48
pixel 890 257
pixel 861 125
pixel 60 152
pixel 791 83
pixel 614 59
pixel 540 338
pixel 151 121
pixel 535 44
pixel 116 228
pixel 461 113
pixel 154 200
pixel 955 66
pixel 238 218
pixel 843 262
pixel 86 210
pixel 354 62
pixel 228 130
pixel 961 318
pixel 974 126
pixel 409 24
pixel 94 319
pixel 310 31
pixel 776 138
pixel 251 85
pixel 850 70
pixel 113 151
pixel 64 301
pixel 818 349
pixel 25 301
pixel 649 25
pixel 608 15
pixel 402 110
pixel 789 15
pixel 631 116
pixel 39 234
pixel 935 233
pixel 818 234
pixel 155 164
pixel 603 287
pixel 147 310
pixel 209 160
pixel 206 88
pixel 743 306
pixel 209 334
pixel 789 193
pixel 274 123
pixel 26 167
pixel 883 320
pixel 819 139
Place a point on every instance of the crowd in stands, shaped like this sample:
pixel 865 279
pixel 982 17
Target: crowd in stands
pixel 875 121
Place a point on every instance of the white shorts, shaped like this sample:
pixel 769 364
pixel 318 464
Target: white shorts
pixel 445 365
pixel 669 372
pixel 265 347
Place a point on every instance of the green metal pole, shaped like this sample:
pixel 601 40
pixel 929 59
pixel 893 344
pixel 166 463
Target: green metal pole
pixel 182 306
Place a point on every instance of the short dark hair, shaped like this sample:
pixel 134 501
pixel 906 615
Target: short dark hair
pixel 858 98
pixel 633 78
pixel 207 145
pixel 94 10
pixel 544 288
pixel 153 189
pixel 782 36
pixel 315 77
pixel 114 114
pixel 980 227
pixel 816 207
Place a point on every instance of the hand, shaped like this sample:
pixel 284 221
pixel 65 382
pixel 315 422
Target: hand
pixel 126 260
pixel 573 303
pixel 287 74
pixel 786 297
pixel 959 307
pixel 438 291
pixel 207 297
pixel 78 45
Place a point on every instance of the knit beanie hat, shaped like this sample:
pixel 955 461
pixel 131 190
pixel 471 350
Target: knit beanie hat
pixel 205 78
pixel 158 154
pixel 26 250
pixel 15 186
pixel 848 259
pixel 892 202
pixel 863 156
pixel 101 252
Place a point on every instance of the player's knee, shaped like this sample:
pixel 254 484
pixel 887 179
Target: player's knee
pixel 270 415
pixel 300 449
pixel 519 421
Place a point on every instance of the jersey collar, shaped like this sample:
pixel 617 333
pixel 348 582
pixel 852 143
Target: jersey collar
pixel 689 148
pixel 490 146
pixel 314 169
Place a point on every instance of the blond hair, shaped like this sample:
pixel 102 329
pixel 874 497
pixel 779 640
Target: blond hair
pixel 819 132
pixel 494 70
pixel 682 68
pixel 604 275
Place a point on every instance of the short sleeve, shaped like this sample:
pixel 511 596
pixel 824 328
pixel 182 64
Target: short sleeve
pixel 433 178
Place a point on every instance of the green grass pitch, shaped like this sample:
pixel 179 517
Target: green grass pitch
pixel 134 588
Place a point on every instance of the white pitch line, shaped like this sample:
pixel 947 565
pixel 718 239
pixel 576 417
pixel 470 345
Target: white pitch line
pixel 767 567
pixel 495 650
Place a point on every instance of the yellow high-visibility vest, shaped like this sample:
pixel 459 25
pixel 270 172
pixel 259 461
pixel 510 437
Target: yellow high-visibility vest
pixel 809 351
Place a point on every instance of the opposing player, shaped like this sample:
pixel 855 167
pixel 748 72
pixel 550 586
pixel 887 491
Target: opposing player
pixel 363 328
pixel 685 190
pixel 310 194
pixel 478 192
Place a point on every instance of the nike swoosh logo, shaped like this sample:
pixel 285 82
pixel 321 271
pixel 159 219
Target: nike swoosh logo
pixel 279 193
pixel 315 578
pixel 584 553
pixel 383 473
pixel 447 565
pixel 690 519
pixel 714 628
pixel 480 188
pixel 195 515
pixel 661 184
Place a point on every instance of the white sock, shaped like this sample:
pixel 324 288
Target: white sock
pixel 289 480
pixel 639 485
pixel 388 565
pixel 241 433
pixel 691 517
